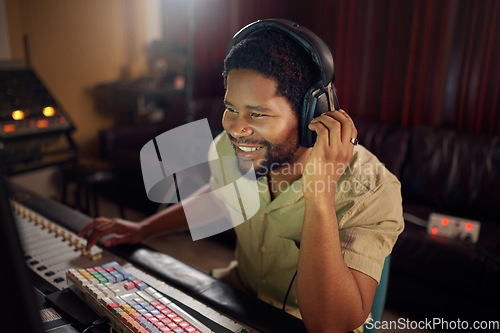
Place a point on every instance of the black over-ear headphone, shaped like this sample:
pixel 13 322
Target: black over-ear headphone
pixel 319 98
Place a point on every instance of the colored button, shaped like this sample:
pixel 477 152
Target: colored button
pixel 135 315
pixel 160 307
pixel 159 324
pixel 160 316
pixel 166 321
pixel 117 310
pixel 130 311
pixel 117 275
pixel 129 285
pixel 122 316
pixel 172 325
pixel 183 324
pixel 125 306
pixel 166 311
pixel 111 306
pixel 172 315
pixel 141 286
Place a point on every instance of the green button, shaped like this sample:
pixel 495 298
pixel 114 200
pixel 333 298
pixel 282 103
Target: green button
pixel 117 310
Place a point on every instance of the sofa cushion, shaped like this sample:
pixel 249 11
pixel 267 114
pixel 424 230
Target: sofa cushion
pixel 456 172
pixel 388 143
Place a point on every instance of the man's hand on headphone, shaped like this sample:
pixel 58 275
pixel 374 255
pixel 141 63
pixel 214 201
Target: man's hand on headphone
pixel 330 155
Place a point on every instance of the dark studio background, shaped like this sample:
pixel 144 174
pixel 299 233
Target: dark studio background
pixel 398 62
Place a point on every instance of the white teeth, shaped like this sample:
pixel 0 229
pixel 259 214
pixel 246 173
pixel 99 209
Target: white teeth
pixel 248 149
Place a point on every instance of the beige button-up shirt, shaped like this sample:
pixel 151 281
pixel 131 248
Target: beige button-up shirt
pixel 368 205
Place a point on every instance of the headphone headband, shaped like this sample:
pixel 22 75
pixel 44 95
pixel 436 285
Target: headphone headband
pixel 319 51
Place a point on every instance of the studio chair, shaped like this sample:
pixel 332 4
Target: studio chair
pixel 380 296
pixel 89 178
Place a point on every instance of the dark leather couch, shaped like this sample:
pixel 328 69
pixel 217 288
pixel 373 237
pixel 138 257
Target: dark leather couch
pixel 453 173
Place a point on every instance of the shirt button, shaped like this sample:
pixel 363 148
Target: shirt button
pixel 263 249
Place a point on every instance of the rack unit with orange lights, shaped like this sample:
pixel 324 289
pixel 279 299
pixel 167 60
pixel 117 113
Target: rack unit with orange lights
pixel 33 125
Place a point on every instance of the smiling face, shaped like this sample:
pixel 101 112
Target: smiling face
pixel 261 125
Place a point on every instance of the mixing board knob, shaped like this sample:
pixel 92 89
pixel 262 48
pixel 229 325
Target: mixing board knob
pixel 79 245
pixel 55 230
pixel 96 256
pixel 72 240
pixel 52 227
pixel 16 207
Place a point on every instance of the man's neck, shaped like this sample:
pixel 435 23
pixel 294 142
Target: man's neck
pixel 282 177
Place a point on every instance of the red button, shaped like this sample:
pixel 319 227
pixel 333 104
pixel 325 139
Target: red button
pixel 111 306
pixel 129 285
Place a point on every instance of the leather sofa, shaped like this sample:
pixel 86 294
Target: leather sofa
pixel 453 173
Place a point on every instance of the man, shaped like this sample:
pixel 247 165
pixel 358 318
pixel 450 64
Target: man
pixel 329 215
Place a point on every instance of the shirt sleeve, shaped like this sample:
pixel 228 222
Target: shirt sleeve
pixel 371 227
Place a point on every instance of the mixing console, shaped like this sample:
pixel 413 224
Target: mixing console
pixel 57 255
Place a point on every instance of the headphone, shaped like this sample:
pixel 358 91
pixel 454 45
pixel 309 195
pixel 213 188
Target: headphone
pixel 321 96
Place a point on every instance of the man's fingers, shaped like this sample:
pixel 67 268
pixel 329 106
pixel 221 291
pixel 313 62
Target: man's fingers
pixel 93 224
pixel 96 230
pixel 116 240
pixel 347 125
pixel 87 228
pixel 322 131
pixel 338 123
pixel 93 238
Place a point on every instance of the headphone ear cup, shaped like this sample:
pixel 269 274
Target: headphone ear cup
pixel 315 103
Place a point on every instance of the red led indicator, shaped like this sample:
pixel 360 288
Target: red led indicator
pixel 445 221
pixel 468 226
pixel 434 231
pixel 9 128
pixel 42 123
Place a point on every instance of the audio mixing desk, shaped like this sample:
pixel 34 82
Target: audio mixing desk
pixel 58 261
